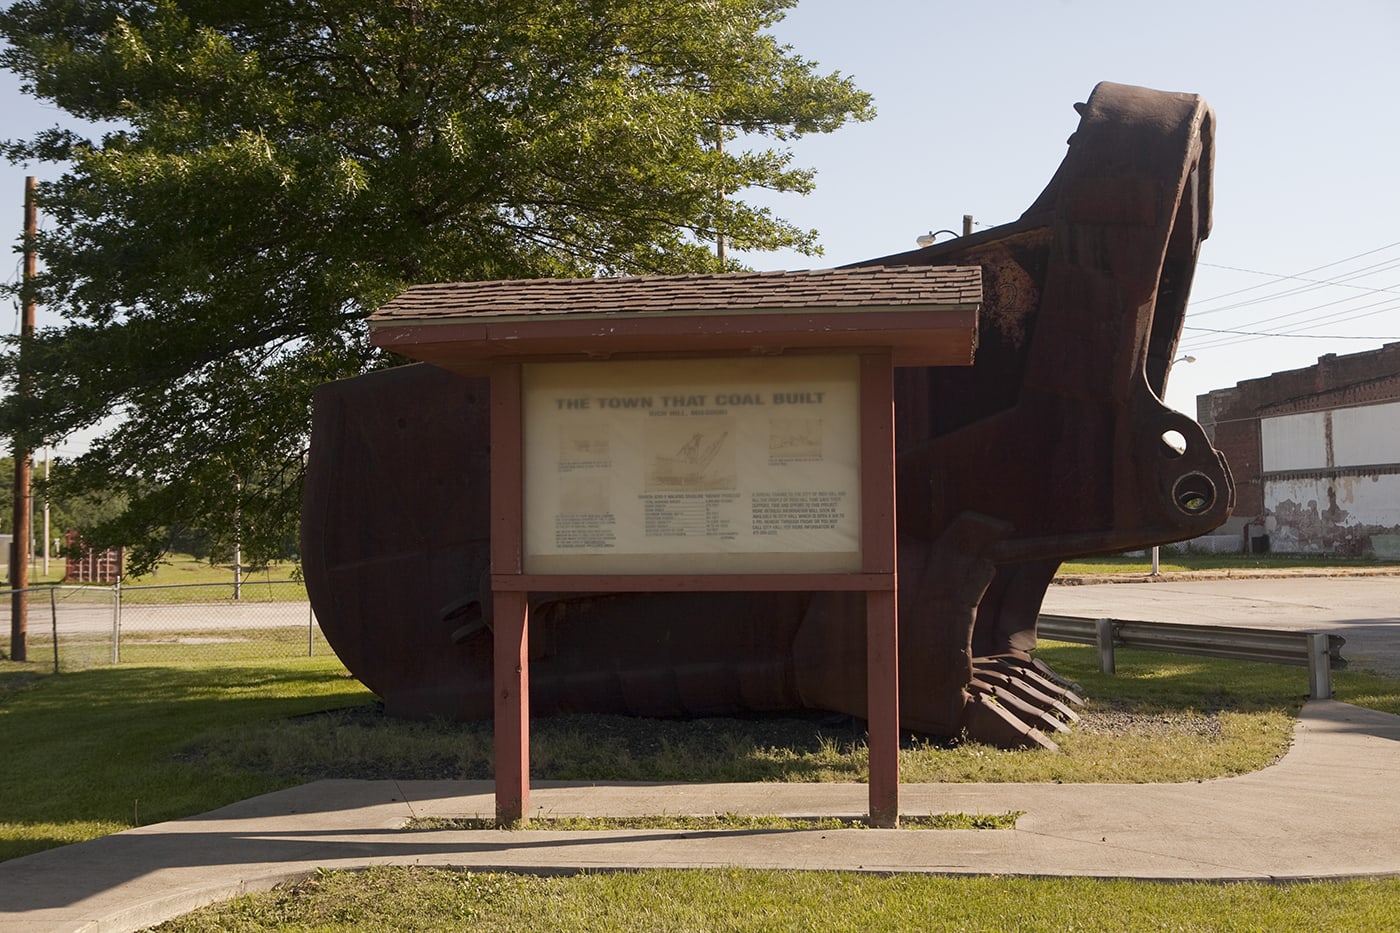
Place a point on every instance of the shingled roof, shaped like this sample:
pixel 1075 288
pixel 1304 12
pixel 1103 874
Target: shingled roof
pixel 888 287
pixel 924 315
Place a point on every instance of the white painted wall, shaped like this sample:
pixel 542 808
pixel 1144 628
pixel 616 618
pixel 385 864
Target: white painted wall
pixel 1294 442
pixel 1343 512
pixel 1367 435
pixel 1365 500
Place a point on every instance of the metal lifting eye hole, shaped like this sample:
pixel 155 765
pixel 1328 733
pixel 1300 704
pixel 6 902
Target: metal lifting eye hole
pixel 1194 493
pixel 1173 444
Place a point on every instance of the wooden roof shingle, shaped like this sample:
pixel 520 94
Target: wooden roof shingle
pixel 898 286
pixel 925 315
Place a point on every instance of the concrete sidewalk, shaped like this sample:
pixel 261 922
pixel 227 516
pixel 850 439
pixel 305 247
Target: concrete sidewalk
pixel 1325 811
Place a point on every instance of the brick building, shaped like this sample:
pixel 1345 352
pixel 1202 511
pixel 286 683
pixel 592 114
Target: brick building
pixel 1315 454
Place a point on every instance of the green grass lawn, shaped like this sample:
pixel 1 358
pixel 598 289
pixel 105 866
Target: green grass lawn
pixel 173 645
pixel 1215 718
pixel 177 568
pixel 422 899
pixel 97 751
pixel 181 568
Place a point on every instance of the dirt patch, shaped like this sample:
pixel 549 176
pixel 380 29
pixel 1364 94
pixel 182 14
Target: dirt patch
pixel 1125 722
pixel 1177 576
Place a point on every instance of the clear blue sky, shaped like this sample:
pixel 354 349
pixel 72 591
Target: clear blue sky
pixel 975 103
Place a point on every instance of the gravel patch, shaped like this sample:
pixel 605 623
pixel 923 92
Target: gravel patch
pixel 1125 722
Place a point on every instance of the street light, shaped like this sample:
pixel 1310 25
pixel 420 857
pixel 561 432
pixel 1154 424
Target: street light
pixel 930 238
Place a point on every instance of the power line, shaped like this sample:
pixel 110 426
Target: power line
pixel 1343 314
pixel 1232 338
pixel 1298 278
pixel 1300 320
pixel 1278 276
pixel 1260 333
pixel 1245 334
pixel 1318 284
pixel 1299 329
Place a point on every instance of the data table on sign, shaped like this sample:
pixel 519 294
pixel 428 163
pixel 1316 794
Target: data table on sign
pixel 674 516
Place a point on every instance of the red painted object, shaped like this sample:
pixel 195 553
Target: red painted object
pixel 1050 446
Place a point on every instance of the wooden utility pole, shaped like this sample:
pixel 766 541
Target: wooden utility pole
pixel 19 546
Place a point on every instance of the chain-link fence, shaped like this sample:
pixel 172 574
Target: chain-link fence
pixel 74 627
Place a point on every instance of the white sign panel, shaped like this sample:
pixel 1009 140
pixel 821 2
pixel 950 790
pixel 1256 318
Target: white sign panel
pixel 1294 442
pixel 1367 435
pixel 693 466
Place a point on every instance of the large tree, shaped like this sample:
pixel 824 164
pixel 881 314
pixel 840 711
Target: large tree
pixel 279 168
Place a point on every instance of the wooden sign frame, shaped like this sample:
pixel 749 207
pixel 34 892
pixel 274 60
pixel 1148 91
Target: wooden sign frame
pixel 511 587
pixel 880 317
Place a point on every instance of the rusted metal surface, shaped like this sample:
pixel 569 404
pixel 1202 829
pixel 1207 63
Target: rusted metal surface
pixel 1054 444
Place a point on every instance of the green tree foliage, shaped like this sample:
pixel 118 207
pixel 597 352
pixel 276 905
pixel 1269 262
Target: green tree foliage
pixel 273 170
pixel 64 515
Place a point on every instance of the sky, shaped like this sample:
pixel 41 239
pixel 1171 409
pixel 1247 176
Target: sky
pixel 975 102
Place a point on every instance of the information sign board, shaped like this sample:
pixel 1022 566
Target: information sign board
pixel 742 465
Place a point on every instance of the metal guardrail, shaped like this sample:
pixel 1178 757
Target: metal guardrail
pixel 1319 652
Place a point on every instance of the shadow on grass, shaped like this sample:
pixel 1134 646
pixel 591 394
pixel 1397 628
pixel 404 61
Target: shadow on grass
pixel 101 745
pixel 363 743
pixel 1180 698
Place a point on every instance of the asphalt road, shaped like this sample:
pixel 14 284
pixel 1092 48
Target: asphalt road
pixel 1363 610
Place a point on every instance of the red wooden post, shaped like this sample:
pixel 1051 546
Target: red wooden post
pixel 882 698
pixel 879 556
pixel 512 685
pixel 511 668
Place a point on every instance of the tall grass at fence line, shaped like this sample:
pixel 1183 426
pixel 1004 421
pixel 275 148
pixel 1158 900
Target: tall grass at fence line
pixel 176 647
pixel 174 570
pixel 183 568
pixel 250 591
